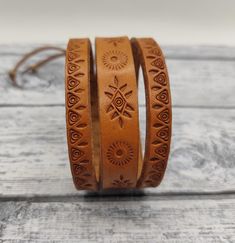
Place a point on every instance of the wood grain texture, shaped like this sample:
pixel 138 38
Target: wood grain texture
pixel 195 80
pixel 100 221
pixel 34 158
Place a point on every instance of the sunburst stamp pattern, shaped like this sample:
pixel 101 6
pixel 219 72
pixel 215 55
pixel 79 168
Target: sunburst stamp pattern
pixel 115 60
pixel 120 153
pixel 119 108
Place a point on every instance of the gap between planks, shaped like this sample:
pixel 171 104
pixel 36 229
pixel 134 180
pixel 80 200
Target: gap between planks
pixel 141 105
pixel 121 195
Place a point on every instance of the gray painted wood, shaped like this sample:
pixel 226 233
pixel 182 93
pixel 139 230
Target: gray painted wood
pixel 93 220
pixel 195 81
pixel 195 202
pixel 171 51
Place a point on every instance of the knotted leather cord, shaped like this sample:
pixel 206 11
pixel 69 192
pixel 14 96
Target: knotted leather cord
pixel 34 67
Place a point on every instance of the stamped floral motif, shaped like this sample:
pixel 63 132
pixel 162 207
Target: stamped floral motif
pixel 114 60
pixel 115 41
pixel 121 182
pixel 120 153
pixel 119 108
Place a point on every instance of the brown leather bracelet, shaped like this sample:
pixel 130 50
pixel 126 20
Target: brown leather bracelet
pixel 148 54
pixel 78 113
pixel 118 113
pixel 103 129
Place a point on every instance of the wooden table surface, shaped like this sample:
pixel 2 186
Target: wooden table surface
pixel 195 202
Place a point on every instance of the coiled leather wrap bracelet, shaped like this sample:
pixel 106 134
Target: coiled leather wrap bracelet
pixel 102 113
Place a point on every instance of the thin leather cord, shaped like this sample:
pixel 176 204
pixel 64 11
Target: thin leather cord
pixel 36 66
pixel 33 68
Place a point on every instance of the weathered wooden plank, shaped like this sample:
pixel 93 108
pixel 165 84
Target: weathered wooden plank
pixel 100 220
pixel 194 81
pixel 170 51
pixel 34 158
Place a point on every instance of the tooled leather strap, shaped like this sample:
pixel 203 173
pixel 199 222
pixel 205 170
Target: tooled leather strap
pixel 158 110
pixel 118 112
pixel 78 113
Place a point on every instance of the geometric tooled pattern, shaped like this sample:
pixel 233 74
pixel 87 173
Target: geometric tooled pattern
pixel 163 133
pixel 158 63
pixel 164 116
pixel 159 166
pixel 73 55
pixel 119 107
pixel 162 150
pixel 163 96
pixel 155 173
pixel 120 153
pixel 160 78
pixel 121 182
pixel 72 68
pixel 72 99
pixel 73 117
pixel 80 182
pixel 114 60
pixel 155 51
pixel 78 169
pixel 157 77
pixel 74 46
pixel 74 136
pixel 155 176
pixel 76 154
pixel 76 67
pixel 72 82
